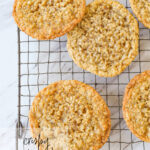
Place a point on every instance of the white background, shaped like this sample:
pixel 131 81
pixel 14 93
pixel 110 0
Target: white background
pixel 8 76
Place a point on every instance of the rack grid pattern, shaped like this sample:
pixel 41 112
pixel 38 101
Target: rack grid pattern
pixel 43 62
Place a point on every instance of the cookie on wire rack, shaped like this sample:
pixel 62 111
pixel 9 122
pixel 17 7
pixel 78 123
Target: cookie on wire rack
pixel 71 115
pixel 141 9
pixel 47 19
pixel 105 42
pixel 136 106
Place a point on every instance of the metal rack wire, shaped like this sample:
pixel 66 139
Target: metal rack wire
pixel 43 62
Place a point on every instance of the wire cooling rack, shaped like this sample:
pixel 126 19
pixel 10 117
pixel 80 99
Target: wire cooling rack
pixel 43 62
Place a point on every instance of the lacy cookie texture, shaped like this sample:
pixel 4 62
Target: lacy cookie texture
pixel 141 8
pixel 136 106
pixel 47 19
pixel 105 42
pixel 71 115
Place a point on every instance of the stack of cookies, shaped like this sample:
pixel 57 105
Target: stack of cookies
pixel 103 39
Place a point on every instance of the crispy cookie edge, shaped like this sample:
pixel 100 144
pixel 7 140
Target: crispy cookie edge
pixel 32 120
pixel 130 85
pixel 109 74
pixel 140 18
pixel 42 36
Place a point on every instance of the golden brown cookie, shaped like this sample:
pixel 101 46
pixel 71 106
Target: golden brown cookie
pixel 141 8
pixel 136 106
pixel 47 19
pixel 72 115
pixel 105 42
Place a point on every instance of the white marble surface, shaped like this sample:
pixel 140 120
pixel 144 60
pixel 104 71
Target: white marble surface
pixel 9 72
pixel 8 76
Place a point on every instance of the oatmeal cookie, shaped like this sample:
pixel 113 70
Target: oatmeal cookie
pixel 47 19
pixel 136 106
pixel 105 42
pixel 141 9
pixel 71 115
